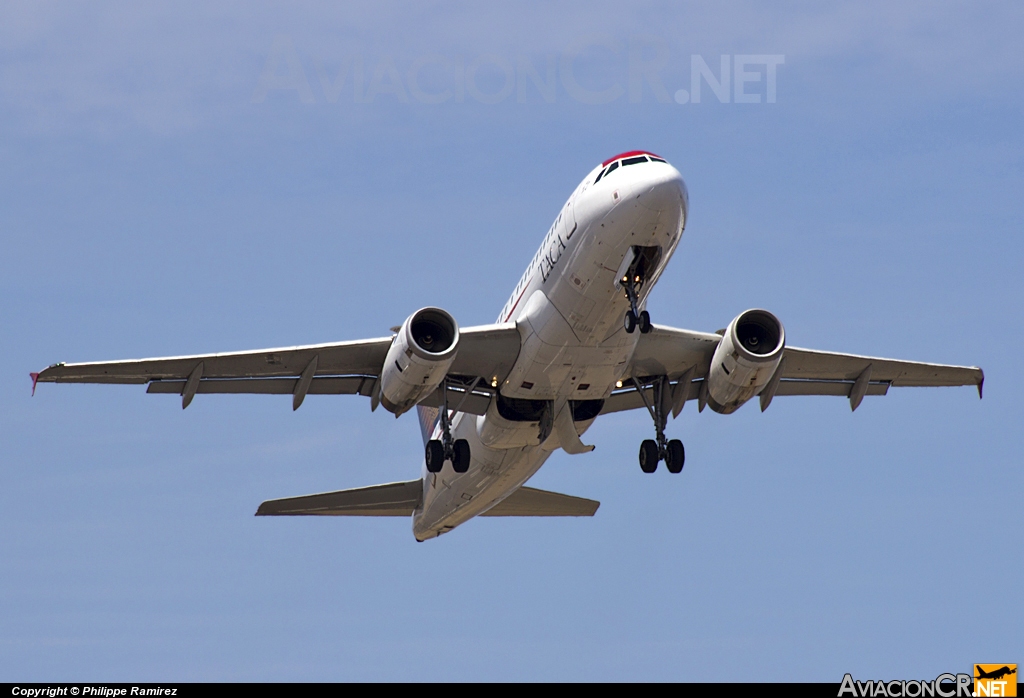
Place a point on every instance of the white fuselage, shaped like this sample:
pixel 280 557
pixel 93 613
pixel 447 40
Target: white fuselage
pixel 568 308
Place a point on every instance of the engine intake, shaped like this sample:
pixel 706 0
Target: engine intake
pixel 745 359
pixel 419 359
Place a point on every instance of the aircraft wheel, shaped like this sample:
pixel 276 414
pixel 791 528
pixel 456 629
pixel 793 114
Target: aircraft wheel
pixel 629 322
pixel 648 456
pixel 434 456
pixel 461 457
pixel 675 457
pixel 644 321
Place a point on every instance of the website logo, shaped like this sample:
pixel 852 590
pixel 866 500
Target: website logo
pixel 995 680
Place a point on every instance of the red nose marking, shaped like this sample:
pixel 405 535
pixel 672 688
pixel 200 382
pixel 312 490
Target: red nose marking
pixel 628 154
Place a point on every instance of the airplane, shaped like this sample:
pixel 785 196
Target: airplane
pixel 573 342
pixel 996 674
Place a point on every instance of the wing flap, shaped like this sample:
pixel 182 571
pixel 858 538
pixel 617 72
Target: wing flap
pixel 392 499
pixel 527 501
pixel 837 388
pixel 630 399
pixel 474 403
pixel 324 385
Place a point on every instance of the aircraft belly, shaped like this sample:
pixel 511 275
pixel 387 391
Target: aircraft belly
pixel 450 499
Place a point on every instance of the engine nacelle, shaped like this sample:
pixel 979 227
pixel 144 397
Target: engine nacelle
pixel 419 359
pixel 745 359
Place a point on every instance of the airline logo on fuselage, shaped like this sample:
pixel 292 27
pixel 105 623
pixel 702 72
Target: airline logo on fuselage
pixel 555 247
pixel 545 260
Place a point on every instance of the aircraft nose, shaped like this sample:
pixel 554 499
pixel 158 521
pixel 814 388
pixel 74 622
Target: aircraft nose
pixel 664 189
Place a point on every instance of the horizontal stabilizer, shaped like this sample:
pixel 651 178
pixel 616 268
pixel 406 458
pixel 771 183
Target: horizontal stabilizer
pixel 393 499
pixel 527 501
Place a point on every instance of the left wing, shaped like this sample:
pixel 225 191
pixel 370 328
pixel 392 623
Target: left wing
pixel 343 368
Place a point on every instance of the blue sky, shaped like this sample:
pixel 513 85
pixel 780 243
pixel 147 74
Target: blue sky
pixel 152 203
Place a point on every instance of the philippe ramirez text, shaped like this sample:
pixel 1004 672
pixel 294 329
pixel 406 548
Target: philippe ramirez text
pixel 102 691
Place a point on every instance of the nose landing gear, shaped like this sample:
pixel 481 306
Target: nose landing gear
pixel 660 448
pixel 635 318
pixel 439 450
pixel 642 261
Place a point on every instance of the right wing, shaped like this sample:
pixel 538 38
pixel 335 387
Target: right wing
pixel 827 366
pixel 672 352
pixel 344 368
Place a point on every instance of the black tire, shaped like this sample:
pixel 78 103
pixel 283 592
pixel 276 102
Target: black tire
pixel 648 456
pixel 434 456
pixel 676 456
pixel 461 456
pixel 644 321
pixel 629 322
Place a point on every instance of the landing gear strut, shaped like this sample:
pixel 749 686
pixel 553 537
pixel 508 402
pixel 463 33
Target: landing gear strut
pixel 440 450
pixel 634 316
pixel 659 448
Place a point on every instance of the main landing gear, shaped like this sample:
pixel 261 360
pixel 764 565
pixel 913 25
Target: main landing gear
pixel 659 448
pixel 635 317
pixel 440 450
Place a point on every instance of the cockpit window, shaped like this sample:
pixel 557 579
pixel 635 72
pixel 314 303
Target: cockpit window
pixel 636 160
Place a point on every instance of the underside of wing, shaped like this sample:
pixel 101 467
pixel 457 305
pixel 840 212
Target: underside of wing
pixel 486 354
pixel 343 358
pixel 683 356
pixel 668 351
pixel 812 365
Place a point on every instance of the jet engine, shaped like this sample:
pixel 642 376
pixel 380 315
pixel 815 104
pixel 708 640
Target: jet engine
pixel 745 360
pixel 419 359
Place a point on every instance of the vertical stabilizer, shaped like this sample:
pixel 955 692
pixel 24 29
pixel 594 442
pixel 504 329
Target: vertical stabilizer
pixel 428 420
